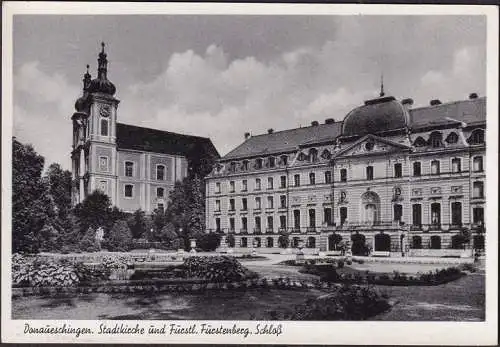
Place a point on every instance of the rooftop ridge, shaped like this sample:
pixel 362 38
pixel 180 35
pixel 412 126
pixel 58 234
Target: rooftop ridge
pixel 292 129
pixel 447 103
pixel 163 131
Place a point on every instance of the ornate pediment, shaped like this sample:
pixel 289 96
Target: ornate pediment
pixel 371 144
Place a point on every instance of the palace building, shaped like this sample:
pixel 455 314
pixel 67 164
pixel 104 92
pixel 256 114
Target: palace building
pixel 388 179
pixel 136 167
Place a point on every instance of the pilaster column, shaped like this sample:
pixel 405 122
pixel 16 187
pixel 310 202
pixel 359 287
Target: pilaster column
pixel 82 172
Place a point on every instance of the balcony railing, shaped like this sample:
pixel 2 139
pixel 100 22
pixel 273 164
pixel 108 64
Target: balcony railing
pixel 435 226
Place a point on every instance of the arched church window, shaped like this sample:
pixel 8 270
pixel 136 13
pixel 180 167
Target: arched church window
pixel 104 127
pixel 160 172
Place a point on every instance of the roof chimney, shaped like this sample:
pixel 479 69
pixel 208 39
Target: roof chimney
pixel 247 136
pixel 473 96
pixel 314 123
pixel 435 102
pixel 270 130
pixel 329 121
pixel 407 101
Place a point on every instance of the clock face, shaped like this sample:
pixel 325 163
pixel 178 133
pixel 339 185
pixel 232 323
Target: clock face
pixel 104 111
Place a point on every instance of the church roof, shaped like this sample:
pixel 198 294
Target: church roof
pixel 157 141
pixel 470 111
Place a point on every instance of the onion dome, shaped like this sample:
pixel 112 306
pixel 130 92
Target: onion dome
pixel 80 104
pixel 101 84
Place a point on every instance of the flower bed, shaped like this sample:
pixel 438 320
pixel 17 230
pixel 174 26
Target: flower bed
pixel 217 269
pixel 331 274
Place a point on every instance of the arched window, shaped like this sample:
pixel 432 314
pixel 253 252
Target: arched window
pixel 160 172
pixel 452 138
pixel 420 142
pixel 477 137
pixel 104 127
pixel 436 139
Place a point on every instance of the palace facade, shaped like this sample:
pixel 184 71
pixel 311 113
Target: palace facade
pixel 398 178
pixel 136 167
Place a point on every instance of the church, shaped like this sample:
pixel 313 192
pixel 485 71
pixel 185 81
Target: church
pixel 388 179
pixel 136 167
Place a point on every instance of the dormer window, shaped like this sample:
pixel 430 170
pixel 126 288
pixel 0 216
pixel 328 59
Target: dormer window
pixel 477 137
pixel 436 140
pixel 313 155
pixel 452 138
pixel 272 161
pixel 284 160
pixel 326 154
pixel 232 166
pixel 244 165
pixel 258 163
pixel 419 142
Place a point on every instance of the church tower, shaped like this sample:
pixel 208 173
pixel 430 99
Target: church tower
pixel 94 135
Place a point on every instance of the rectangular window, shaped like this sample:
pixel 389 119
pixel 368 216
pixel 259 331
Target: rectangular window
pixel 343 175
pixel 283 201
pixel 283 182
pixel 270 202
pixel 257 184
pixel 104 127
pixel 270 183
pixel 231 205
pixel 244 166
pixel 103 163
pixel 129 169
pixel 456 165
pixel 272 162
pixel 244 204
pixel 257 224
pixel 435 213
pixel 417 214
pixel 270 223
pixel 160 192
pixel 160 207
pixel 296 179
pixel 417 169
pixel 456 213
pixel 244 224
pixel 478 190
pixel 343 215
pixel 231 186
pixel 312 178
pixel 217 205
pixel 217 188
pixel 257 203
pixel 398 170
pixel 244 185
pixel 284 160
pixel 231 224
pixel 258 163
pixel 398 212
pixel 296 219
pixel 129 191
pixel 328 177
pixel 283 222
pixel 312 218
pixel 477 164
pixel 369 173
pixel 327 212
pixel 478 215
pixel 435 167
pixel 217 224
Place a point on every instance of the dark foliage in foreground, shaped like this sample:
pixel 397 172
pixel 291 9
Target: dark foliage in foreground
pixel 217 269
pixel 346 302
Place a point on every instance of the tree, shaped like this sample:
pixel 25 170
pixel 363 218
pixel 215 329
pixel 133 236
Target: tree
pixel 96 211
pixel 119 238
pixel 230 241
pixel 138 224
pixel 208 242
pixel 168 235
pixel 283 240
pixel 358 244
pixel 88 243
pixel 59 183
pixel 32 206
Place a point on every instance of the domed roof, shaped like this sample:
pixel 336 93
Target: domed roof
pixel 375 116
pixel 100 85
pixel 80 103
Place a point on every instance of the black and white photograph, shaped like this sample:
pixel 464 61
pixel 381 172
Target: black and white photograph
pixel 249 173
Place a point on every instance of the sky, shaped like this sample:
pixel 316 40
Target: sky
pixel 221 76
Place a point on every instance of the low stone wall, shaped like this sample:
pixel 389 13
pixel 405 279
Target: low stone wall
pixel 165 286
pixel 265 250
pixel 462 253
pixel 416 260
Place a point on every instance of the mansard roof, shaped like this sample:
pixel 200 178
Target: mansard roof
pixel 470 111
pixel 157 141
pixel 285 141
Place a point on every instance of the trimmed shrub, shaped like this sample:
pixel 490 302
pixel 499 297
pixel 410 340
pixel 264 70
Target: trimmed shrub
pixel 208 242
pixel 217 269
pixel 119 238
pixel 35 272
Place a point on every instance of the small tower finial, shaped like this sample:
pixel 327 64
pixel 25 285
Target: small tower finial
pixel 86 78
pixel 103 45
pixel 382 85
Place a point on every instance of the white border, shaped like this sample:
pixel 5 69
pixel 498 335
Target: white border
pixel 294 332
